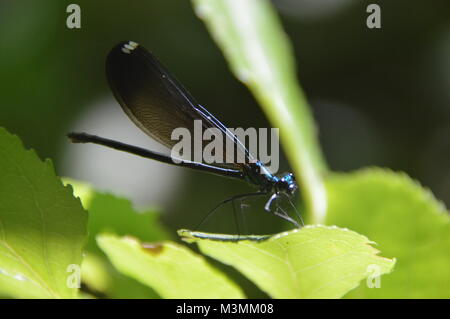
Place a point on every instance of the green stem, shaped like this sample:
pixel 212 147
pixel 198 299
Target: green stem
pixel 259 53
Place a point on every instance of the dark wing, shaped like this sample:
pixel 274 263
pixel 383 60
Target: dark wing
pixel 153 99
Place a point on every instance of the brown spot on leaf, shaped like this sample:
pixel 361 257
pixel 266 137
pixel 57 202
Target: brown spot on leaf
pixel 153 248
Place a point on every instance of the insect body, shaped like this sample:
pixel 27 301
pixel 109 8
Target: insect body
pixel 157 103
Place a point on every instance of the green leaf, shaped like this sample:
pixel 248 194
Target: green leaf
pixel 170 269
pixel 259 53
pixel 42 226
pixel 104 281
pixel 313 262
pixel 405 220
pixel 109 213
pixel 94 272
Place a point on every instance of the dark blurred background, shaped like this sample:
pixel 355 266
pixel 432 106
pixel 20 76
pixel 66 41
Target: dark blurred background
pixel 379 96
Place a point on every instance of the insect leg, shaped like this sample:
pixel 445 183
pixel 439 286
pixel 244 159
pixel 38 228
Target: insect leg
pixel 269 202
pixel 280 212
pixel 295 209
pixel 227 201
pixel 236 218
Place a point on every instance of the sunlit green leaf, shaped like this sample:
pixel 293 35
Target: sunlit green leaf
pixel 405 220
pixel 114 214
pixel 42 226
pixel 313 262
pixel 170 269
pixel 111 213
